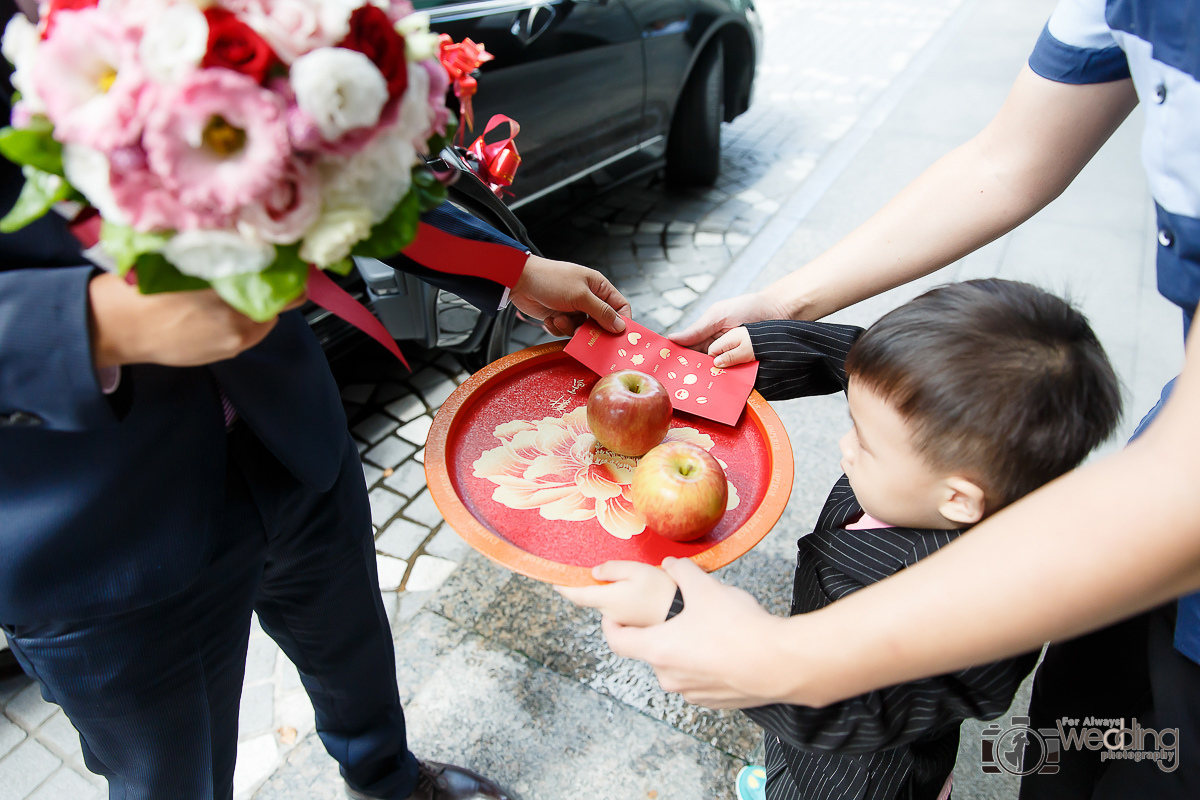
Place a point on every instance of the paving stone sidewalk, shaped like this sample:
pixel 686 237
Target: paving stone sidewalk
pixel 497 672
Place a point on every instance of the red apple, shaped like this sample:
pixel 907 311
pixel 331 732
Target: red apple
pixel 680 490
pixel 629 412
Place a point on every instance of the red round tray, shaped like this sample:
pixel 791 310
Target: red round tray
pixel 510 465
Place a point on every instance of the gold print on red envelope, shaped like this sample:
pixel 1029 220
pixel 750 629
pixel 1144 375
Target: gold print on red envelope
pixel 695 385
pixel 555 465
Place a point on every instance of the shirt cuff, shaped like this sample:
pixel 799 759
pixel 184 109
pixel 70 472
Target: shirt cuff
pixel 676 604
pixel 110 379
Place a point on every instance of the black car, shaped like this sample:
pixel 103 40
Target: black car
pixel 626 85
pixel 593 82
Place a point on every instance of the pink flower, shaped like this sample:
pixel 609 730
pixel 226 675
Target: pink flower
pixel 90 81
pixel 397 9
pixel 288 209
pixel 294 27
pixel 439 84
pixel 218 140
pixel 149 205
pixel 303 132
pixel 22 117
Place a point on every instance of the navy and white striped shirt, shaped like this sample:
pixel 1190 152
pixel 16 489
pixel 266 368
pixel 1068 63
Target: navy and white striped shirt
pixel 1157 43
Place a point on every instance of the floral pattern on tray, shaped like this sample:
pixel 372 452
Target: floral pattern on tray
pixel 555 465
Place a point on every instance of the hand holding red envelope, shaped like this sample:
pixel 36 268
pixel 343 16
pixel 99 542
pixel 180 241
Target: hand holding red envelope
pixel 694 384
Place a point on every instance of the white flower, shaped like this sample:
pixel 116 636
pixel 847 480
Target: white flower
pixel 138 14
pixel 419 43
pixel 330 238
pixel 88 171
pixel 174 43
pixel 376 177
pixel 416 112
pixel 295 27
pixel 341 89
pixel 211 254
pixel 19 46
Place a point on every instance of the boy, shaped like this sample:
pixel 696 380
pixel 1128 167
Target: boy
pixel 961 401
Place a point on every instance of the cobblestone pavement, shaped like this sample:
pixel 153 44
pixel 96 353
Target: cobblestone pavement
pixel 475 637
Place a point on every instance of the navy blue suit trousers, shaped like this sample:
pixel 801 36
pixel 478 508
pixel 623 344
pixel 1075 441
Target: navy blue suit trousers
pixel 155 691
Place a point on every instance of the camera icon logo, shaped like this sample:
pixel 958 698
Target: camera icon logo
pixel 1019 749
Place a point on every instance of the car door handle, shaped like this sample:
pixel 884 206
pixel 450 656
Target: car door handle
pixel 532 23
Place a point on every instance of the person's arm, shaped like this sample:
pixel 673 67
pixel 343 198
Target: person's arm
pixel 1027 155
pixel 559 293
pixel 897 715
pixel 1095 546
pixel 58 326
pixel 798 358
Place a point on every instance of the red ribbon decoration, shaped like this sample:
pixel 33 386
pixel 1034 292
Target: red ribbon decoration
pixel 334 299
pixel 498 159
pixel 460 60
pixel 444 252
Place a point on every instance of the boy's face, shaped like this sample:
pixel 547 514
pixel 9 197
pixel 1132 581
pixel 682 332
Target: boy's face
pixel 891 479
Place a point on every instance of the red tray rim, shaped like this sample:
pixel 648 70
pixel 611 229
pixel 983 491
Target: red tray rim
pixel 508 555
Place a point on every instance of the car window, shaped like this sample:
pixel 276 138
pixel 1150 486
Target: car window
pixel 420 5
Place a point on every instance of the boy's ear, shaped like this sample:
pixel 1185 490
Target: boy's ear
pixel 963 501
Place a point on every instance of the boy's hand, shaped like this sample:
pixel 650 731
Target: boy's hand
pixel 636 595
pixel 720 652
pixel 732 348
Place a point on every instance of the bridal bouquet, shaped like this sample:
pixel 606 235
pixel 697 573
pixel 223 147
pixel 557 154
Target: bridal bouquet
pixel 229 144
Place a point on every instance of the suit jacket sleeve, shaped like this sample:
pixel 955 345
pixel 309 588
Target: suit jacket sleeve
pixel 801 359
pixel 899 714
pixel 479 292
pixel 46 367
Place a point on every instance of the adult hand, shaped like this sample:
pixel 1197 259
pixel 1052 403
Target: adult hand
pixel 175 329
pixel 633 593
pixel 563 295
pixel 715 652
pixel 725 315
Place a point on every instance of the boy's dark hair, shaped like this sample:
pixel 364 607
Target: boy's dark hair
pixel 999 379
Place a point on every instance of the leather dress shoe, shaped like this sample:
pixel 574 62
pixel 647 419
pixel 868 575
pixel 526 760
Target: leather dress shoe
pixel 445 782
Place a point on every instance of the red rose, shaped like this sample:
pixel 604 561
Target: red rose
pixel 371 33
pixel 234 45
pixel 63 5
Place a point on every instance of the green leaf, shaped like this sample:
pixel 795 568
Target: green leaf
pixel 155 274
pixel 395 233
pixel 41 191
pixel 126 245
pixel 262 295
pixel 343 267
pixel 438 143
pixel 34 146
pixel 431 192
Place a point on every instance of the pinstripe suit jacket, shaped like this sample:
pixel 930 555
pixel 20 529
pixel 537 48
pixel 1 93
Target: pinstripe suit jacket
pixel 896 742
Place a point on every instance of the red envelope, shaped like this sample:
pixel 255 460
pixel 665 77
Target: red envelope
pixel 695 385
